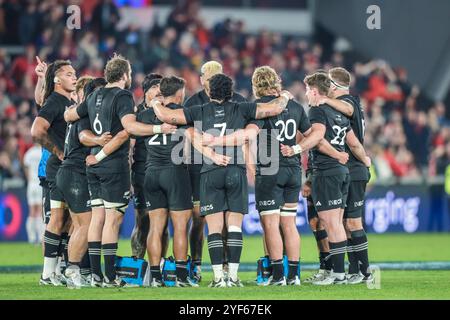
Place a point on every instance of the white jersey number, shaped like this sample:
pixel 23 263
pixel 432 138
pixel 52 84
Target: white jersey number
pixel 222 126
pixel 288 129
pixel 97 125
pixel 152 141
pixel 341 133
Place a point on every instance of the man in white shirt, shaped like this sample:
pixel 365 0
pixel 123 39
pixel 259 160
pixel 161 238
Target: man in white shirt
pixel 34 224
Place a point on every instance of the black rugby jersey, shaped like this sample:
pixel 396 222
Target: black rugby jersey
pixel 337 126
pixel 75 152
pixel 53 111
pixel 219 120
pixel 106 107
pixel 161 147
pixel 281 129
pixel 358 170
pixel 201 98
pixel 140 151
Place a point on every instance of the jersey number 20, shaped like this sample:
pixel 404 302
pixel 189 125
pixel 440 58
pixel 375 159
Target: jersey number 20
pixel 288 129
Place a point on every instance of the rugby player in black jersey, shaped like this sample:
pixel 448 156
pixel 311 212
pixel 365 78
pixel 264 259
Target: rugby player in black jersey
pixel 196 234
pixel 110 109
pixel 72 182
pixel 167 188
pixel 150 87
pixel 278 178
pixel 330 179
pixel 357 245
pixel 49 129
pixel 223 188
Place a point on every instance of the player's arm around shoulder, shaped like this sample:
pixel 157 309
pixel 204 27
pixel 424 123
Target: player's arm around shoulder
pixel 170 116
pixel 342 106
pixel 274 107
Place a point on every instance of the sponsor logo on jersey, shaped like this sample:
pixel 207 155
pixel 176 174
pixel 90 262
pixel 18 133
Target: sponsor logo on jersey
pixel 358 203
pixel 318 204
pixel 266 202
pixel 219 113
pixel 206 208
pixel 334 202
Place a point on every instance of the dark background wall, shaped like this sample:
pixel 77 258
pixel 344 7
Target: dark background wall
pixel 414 34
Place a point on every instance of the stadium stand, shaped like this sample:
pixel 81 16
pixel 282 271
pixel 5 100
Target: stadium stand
pixel 407 135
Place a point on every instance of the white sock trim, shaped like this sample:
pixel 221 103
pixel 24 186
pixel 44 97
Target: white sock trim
pixel 268 212
pixel 288 212
pixel 234 229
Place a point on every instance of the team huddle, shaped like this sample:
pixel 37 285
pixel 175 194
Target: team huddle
pixel 188 160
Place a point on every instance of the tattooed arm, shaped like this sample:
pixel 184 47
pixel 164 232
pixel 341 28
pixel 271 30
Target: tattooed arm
pixel 39 133
pixel 164 114
pixel 274 107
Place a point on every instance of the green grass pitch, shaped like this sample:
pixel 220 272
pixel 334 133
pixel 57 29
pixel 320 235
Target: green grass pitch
pixel 394 284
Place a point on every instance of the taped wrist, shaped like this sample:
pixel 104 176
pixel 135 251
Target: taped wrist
pixel 101 155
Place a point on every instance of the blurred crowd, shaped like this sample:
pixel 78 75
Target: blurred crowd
pixel 406 134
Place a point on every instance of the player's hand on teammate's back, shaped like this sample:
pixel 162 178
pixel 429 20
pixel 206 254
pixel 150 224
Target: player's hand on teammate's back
pixel 343 159
pixel 220 159
pixel 60 155
pixel 306 190
pixel 104 139
pixel 368 162
pixel 290 95
pixel 91 160
pixel 286 151
pixel 208 139
pixel 168 128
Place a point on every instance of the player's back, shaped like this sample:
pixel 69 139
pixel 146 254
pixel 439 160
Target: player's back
pixel 337 126
pixel 160 147
pixel 223 119
pixel 357 169
pixel 201 98
pixel 281 129
pixel 140 150
pixel 75 152
pixel 105 107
